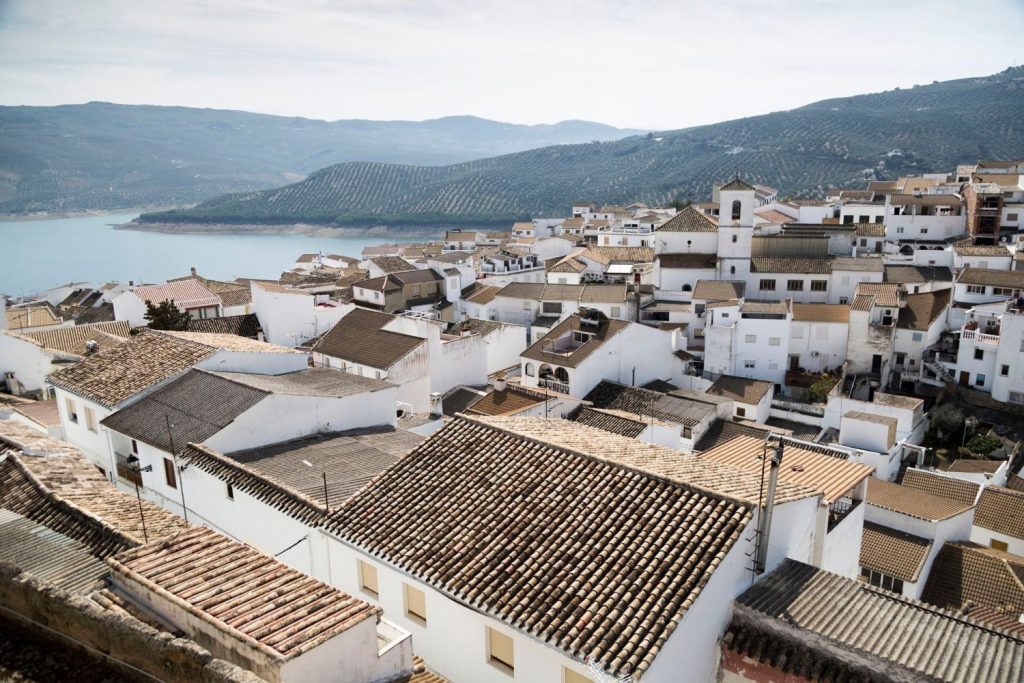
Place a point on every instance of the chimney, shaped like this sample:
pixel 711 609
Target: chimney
pixel 500 382
pixel 91 346
pixel 764 526
pixel 435 405
pixel 193 269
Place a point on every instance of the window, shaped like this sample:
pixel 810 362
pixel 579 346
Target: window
pixel 1011 218
pixel 415 604
pixel 774 341
pixel 862 219
pixel 889 583
pixel 70 405
pixel 169 476
pixel 687 432
pixel 741 412
pixel 917 336
pixel 878 219
pixel 819 285
pixel 979 381
pixel 570 676
pixel 795 285
pixel 230 491
pixel 735 239
pixel 1001 291
pixel 530 372
pixel 552 307
pixel 767 285
pixel 749 364
pixel 998 545
pixel 844 300
pixel 847 220
pixel 863 242
pixel 975 289
pixel 899 231
pixel 90 419
pixel 979 354
pixel 924 231
pixel 1004 370
pixel 414 290
pixel 737 208
pixel 368 578
pixel 135 447
pixel 751 338
pixel 616 311
pixel 500 651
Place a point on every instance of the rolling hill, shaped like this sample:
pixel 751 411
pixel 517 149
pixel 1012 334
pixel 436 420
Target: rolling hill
pixel 105 156
pixel 832 143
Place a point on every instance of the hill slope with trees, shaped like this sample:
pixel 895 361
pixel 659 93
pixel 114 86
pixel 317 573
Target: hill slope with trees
pixel 108 156
pixel 833 143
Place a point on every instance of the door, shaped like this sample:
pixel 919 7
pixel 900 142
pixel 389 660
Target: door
pixel 876 363
pixel 794 363
pixel 965 378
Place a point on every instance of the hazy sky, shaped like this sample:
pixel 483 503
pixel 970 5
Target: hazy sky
pixel 644 64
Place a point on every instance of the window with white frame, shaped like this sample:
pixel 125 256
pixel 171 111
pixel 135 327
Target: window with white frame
pixel 749 364
pixel 975 289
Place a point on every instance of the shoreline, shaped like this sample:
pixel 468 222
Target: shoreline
pixel 305 229
pixel 61 215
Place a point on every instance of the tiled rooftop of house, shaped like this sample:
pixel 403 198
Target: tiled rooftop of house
pixel 740 389
pixel 230 342
pixel 923 309
pixel 491 538
pixel 960 490
pixel 111 376
pixel 185 293
pixel 359 338
pixel 892 552
pixel 821 313
pixel 49 556
pixel 798 620
pixel 828 473
pixel 73 339
pixel 514 399
pixel 992 277
pixel 27 317
pixel 912 502
pixel 717 290
pixel 1001 510
pixel 619 422
pixel 604 330
pixel 690 219
pixel 242 591
pixel 318 381
pixel 965 573
pixel 241 325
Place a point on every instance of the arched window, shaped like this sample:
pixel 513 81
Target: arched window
pixel 736 209
pixel 561 375
pixel 687 288
pixel 529 370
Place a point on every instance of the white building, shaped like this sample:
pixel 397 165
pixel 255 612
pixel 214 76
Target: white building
pixel 748 339
pixel 292 317
pixel 190 296
pixel 990 357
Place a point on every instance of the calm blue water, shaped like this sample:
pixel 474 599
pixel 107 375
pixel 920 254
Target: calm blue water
pixel 36 255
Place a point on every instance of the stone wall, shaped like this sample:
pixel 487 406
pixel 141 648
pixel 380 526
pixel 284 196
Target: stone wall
pixel 87 627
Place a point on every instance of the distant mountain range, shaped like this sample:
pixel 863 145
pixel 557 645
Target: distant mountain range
pixel 107 156
pixel 833 143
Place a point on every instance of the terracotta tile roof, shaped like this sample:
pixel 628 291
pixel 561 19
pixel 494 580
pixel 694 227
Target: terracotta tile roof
pixel 698 261
pixel 604 331
pixel 723 431
pixel 773 216
pixel 870 230
pixel 65 492
pixel 392 264
pixel 230 342
pixel 893 552
pixel 960 490
pixel 602 294
pixel 917 274
pixel 924 200
pixel 479 294
pixel 648 403
pixel 742 389
pixel 822 313
pixel 831 475
pixel 73 339
pixel 982 250
pixel 884 293
pixel 27 317
pixel 965 572
pixel 737 184
pixel 790 264
pixel 717 290
pixel 185 293
pixel 989 276
pixel 923 309
pixel 243 592
pixel 565 264
pixel 242 325
pixel 1001 510
pixel 116 374
pixel 278 288
pixel 513 400
pixel 523 290
pixel 489 541
pixel 690 219
pixel 359 338
pixel 972 466
pixel 799 620
pixel 614 421
pixel 762 307
pixel 912 502
pixel 608 255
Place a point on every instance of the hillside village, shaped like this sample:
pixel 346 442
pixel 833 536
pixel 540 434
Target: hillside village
pixel 747 439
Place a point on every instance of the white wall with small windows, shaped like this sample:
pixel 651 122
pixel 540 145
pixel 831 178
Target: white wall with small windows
pixel 817 345
pixel 804 288
pixel 83 432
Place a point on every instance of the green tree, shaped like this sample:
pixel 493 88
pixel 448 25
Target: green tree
pixel 166 316
pixel 818 392
pixel 946 420
pixel 983 444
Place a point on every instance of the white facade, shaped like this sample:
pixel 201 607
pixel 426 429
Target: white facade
pixel 291 318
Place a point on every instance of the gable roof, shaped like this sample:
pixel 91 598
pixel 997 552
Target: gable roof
pixel 912 502
pixel 690 219
pixel 116 374
pixel 737 184
pixel 893 552
pixel 197 405
pixel 481 540
pixel 543 351
pixel 514 399
pixel 34 315
pixel 798 620
pixel 965 572
pixel 359 337
pixel 201 571
pixel 614 421
pixel 610 395
pixel 913 274
pixel 247 325
pixel 391 264
pixel 608 255
pixel 689 260
pixel 824 471
pixel 718 290
pixel 73 339
pixel 188 293
pixel 742 389
pixel 723 431
pixel 923 309
pixel 317 381
pixel 479 293
pixel 990 276
pixel 1001 510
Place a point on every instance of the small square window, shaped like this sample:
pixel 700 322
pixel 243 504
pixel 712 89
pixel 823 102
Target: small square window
pixel 979 354
pixel 741 412
pixel 979 381
pixel 368 578
pixel 751 338
pixel 917 336
pixel 501 651
pixel 230 491
pixel 415 604
pixel 70 405
pixel 616 311
pixel 1004 370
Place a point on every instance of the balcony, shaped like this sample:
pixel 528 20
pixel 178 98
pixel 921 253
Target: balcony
pixel 981 338
pixel 553 385
pixel 126 472
pixel 564 346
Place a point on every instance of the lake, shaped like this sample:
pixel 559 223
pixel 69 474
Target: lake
pixel 37 255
